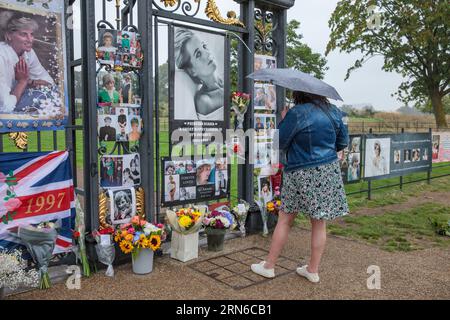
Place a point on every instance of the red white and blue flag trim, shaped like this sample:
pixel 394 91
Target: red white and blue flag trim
pixel 43 192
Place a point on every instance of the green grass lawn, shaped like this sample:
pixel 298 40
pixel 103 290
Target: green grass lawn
pixel 397 231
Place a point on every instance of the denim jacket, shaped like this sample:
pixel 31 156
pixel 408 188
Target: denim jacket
pixel 309 139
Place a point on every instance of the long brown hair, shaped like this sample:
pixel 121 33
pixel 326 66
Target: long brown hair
pixel 301 97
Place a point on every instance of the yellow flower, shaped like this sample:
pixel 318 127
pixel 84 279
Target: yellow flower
pixel 126 247
pixel 279 203
pixel 146 244
pixel 117 237
pixel 129 237
pixel 185 221
pixel 141 242
pixel 155 242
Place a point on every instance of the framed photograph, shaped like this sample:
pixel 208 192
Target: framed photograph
pixel 118 89
pixel 199 75
pixel 111 171
pixel 263 154
pixel 265 62
pixel 260 97
pixel 407 155
pixel 416 155
pixel 354 167
pixel 41 103
pixel 378 157
pixel 119 124
pixel 172 188
pixel 199 87
pixel 265 191
pixel 206 169
pixel 397 157
pixel 221 176
pixel 131 170
pixel 120 48
pixel 260 126
pixel 123 205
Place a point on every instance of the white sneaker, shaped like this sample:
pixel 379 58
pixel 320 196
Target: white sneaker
pixel 313 277
pixel 259 269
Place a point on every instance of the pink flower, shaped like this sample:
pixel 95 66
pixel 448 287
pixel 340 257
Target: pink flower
pixel 131 230
pixel 2 177
pixel 160 226
pixel 135 220
pixel 13 204
pixel 125 226
pixel 143 223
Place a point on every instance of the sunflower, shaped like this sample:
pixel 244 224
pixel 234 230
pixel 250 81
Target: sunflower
pixel 129 238
pixel 141 242
pixel 117 237
pixel 126 247
pixel 155 242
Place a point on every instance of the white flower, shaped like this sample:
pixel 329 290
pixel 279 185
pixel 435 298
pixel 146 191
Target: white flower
pixel 13 274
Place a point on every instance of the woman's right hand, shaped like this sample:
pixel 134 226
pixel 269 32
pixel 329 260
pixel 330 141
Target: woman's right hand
pixel 22 73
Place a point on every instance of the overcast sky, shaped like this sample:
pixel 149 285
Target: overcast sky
pixel 367 85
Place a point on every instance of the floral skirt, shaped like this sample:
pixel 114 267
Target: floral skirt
pixel 316 192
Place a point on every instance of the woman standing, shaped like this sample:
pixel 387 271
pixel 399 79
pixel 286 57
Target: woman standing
pixel 311 133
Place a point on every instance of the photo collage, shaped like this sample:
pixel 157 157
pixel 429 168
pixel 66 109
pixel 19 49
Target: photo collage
pixel 193 181
pixel 397 154
pixel 119 107
pixel 120 49
pixel 350 161
pixel 265 121
pixel 120 171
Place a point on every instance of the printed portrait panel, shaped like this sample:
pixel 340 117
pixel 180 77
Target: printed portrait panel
pixel 33 86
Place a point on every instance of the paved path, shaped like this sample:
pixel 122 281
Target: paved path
pixel 414 275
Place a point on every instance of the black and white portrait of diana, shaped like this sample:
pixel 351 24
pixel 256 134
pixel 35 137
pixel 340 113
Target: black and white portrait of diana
pixel 199 75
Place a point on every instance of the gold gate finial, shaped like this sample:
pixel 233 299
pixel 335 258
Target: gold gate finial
pixel 20 139
pixel 213 13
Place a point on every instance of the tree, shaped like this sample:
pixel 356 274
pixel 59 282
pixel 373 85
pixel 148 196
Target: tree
pixel 300 56
pixel 412 36
pixel 428 107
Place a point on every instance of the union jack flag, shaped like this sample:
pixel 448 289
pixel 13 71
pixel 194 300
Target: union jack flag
pixel 35 188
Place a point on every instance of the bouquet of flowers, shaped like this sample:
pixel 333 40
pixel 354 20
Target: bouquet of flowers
pixel 105 249
pixel 240 102
pixel 240 212
pixel 79 237
pixel 275 205
pixel 137 235
pixel 40 242
pixel 13 271
pixel 218 219
pixel 186 220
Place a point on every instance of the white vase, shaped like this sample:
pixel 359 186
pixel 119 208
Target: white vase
pixel 143 262
pixel 184 247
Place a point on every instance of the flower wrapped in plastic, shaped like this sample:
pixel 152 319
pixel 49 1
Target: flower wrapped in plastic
pixel 14 273
pixel 79 236
pixel 186 220
pixel 240 102
pixel 40 242
pixel 241 212
pixel 105 249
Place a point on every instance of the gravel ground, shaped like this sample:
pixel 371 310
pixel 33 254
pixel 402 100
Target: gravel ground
pixel 414 275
